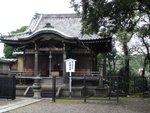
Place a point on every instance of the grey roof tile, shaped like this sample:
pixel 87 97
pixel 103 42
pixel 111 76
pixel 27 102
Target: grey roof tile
pixel 68 24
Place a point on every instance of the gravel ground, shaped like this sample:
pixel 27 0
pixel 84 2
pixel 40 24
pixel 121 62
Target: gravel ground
pixel 126 105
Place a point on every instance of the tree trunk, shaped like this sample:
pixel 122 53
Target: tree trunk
pixel 147 57
pixel 126 67
pixel 114 65
pixel 110 67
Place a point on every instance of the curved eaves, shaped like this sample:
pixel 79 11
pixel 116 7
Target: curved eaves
pixel 48 30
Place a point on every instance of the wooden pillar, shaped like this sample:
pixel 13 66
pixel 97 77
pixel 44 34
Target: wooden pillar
pixel 37 79
pixel 104 64
pixel 24 61
pixel 91 60
pixel 94 61
pixel 64 58
pixel 36 74
pixel 50 62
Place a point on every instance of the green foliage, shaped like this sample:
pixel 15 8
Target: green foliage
pixel 22 29
pixel 119 18
pixel 109 17
pixel 111 14
pixel 136 63
pixel 8 50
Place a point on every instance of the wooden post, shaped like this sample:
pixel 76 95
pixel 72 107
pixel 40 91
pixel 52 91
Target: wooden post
pixel 95 62
pixel 36 62
pixel 91 60
pixel 37 79
pixel 64 58
pixel 24 61
pixel 104 64
pixel 50 63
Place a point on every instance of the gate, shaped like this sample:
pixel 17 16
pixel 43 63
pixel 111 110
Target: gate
pixel 8 87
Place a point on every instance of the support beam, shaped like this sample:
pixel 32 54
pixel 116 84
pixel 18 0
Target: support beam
pixel 64 58
pixel 24 61
pixel 37 80
pixel 104 64
pixel 91 60
pixel 36 74
pixel 50 62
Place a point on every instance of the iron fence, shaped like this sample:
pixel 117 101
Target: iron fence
pixel 140 85
pixel 108 88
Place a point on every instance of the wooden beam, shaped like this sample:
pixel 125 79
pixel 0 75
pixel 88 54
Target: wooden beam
pixel 50 49
pixel 80 51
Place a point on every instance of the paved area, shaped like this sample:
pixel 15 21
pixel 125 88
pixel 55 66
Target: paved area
pixel 131 105
pixel 8 105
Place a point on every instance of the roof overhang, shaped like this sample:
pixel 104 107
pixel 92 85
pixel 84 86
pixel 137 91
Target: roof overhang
pixel 48 31
pixel 100 45
pixel 7 61
pixel 27 38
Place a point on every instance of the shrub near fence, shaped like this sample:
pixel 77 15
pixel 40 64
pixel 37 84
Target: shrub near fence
pixel 8 87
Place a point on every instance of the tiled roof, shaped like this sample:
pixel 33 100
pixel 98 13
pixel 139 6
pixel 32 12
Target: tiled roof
pixel 8 60
pixel 68 25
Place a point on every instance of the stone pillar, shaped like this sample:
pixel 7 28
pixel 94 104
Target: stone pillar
pixel 37 88
pixel 37 79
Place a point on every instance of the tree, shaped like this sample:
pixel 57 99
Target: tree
pixel 144 35
pixel 21 29
pixel 8 50
pixel 124 37
pixel 116 16
pixel 111 14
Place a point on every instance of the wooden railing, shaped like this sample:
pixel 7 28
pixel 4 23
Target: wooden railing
pixel 21 74
pixel 92 74
pixel 4 72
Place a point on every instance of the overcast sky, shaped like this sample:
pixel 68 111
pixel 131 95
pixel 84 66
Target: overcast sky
pixel 17 13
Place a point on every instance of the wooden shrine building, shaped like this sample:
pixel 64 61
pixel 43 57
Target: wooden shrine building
pixel 50 39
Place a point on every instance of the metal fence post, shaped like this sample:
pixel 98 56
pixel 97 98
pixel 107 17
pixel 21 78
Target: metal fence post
pixel 84 88
pixel 134 86
pixel 110 87
pixel 143 90
pixel 14 88
pixel 117 89
pixel 53 89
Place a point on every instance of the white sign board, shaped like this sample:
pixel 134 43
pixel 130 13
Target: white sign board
pixel 70 65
